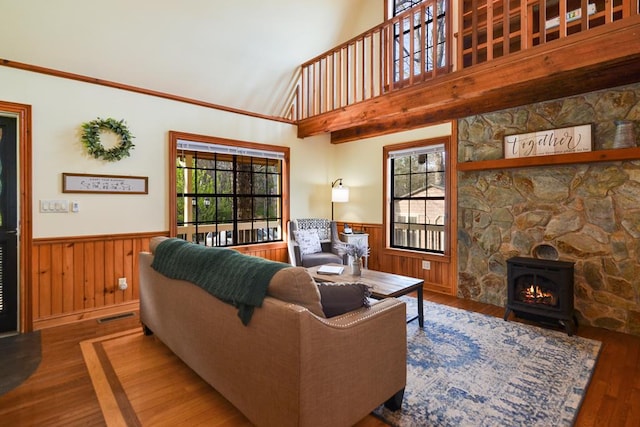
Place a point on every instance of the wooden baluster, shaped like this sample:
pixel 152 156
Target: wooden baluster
pixel 474 32
pixel 412 46
pixel 608 7
pixel 542 19
pixel 562 30
pixel 490 29
pixel 390 47
pixel 584 20
pixel 339 78
pixel 371 69
pixel 363 65
pixel 524 19
pixel 434 43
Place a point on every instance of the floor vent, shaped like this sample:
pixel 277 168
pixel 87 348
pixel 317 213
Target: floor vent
pixel 115 317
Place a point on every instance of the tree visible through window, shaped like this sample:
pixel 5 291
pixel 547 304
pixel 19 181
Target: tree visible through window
pixel 418 198
pixel 421 59
pixel 402 5
pixel 227 198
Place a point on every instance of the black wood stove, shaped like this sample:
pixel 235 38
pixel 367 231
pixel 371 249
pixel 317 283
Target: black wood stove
pixel 541 290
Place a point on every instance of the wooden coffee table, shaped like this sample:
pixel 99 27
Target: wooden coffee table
pixel 383 285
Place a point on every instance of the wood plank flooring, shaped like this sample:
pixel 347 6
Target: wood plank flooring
pixel 60 392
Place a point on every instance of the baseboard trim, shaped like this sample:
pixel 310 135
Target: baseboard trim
pixel 96 313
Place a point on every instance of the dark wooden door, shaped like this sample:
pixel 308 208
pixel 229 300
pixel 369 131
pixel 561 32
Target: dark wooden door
pixel 8 226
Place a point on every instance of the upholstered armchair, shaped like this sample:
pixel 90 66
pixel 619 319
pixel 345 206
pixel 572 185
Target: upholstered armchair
pixel 313 241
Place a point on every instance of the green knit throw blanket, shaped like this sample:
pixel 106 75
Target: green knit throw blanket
pixel 234 278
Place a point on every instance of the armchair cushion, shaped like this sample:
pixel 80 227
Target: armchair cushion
pixel 309 241
pixel 340 298
pixel 319 258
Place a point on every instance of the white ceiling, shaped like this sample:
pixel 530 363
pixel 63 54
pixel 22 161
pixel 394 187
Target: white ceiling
pixel 239 54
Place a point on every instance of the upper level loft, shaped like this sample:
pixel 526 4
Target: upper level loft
pixel 427 65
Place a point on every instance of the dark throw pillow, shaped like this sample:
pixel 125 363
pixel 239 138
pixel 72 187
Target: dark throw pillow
pixel 339 298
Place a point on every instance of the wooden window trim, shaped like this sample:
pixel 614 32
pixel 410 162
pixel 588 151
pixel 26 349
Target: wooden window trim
pixel 449 165
pixel 174 136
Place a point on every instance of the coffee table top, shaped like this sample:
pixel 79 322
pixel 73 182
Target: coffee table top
pixel 383 285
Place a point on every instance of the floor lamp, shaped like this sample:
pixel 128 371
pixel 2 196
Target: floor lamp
pixel 339 194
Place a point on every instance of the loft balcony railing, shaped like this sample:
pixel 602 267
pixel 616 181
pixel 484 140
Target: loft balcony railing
pixel 409 48
pixel 416 46
pixel 491 29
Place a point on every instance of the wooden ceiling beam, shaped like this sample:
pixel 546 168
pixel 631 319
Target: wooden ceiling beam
pixel 600 58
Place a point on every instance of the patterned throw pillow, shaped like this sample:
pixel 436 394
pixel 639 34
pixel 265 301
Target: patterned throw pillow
pixel 308 241
pixel 322 226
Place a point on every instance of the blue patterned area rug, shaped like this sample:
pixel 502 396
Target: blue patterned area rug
pixel 470 369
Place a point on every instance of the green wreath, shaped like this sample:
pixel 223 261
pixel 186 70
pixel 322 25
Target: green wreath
pixel 91 139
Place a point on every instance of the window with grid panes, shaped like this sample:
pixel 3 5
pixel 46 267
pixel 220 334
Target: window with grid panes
pixel 420 60
pixel 228 196
pixel 417 198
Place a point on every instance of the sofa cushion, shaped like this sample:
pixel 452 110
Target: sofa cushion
pixel 340 298
pixel 295 285
pixel 309 241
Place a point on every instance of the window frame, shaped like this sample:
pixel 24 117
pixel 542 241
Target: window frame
pixel 388 199
pixel 390 9
pixel 174 136
pixel 398 61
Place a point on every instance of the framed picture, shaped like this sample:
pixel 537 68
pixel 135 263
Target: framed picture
pixel 574 139
pixel 90 183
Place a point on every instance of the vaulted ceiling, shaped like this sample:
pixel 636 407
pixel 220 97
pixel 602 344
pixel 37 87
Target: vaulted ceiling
pixel 238 54
pixel 243 55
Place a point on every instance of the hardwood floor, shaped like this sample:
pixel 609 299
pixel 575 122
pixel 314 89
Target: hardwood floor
pixel 60 392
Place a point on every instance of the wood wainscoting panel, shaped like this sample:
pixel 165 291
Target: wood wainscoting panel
pixel 438 278
pixel 76 278
pixel 276 251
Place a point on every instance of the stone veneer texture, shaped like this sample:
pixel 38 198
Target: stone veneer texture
pixel 590 213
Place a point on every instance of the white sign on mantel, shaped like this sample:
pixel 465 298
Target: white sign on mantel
pixel 543 143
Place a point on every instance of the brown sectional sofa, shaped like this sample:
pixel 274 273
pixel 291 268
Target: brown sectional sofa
pixel 288 366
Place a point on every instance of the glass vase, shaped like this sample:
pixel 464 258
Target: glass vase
pixel 356 266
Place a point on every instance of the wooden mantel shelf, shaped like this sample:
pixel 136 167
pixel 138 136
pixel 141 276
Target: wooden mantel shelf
pixel 555 159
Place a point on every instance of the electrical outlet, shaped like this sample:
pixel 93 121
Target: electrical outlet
pixel 122 283
pixel 426 265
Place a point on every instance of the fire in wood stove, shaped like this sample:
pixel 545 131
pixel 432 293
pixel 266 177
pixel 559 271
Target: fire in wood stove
pixel 535 294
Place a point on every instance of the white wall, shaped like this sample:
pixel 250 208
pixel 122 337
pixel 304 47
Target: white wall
pixel 60 106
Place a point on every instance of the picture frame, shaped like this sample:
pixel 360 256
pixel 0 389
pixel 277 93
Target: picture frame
pixel 575 139
pixel 113 184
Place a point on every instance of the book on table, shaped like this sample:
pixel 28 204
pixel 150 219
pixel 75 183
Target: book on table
pixel 330 269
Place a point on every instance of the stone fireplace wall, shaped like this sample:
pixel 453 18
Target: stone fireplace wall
pixel 585 213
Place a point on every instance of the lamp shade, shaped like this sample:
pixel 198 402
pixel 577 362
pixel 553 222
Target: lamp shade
pixel 340 194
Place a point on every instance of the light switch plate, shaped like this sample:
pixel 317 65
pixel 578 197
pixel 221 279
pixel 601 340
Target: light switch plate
pixel 54 206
